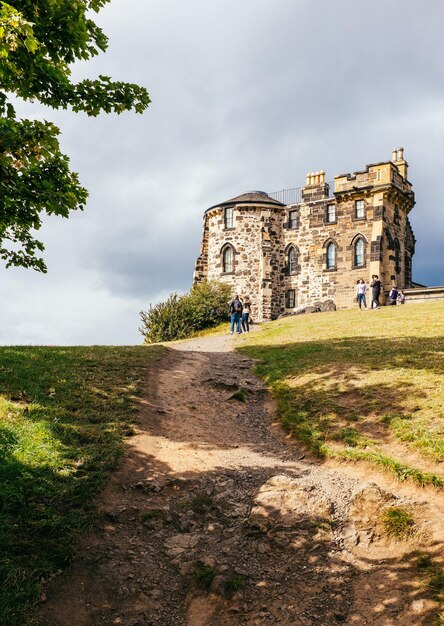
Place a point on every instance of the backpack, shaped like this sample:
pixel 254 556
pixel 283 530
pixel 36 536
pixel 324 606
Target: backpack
pixel 237 306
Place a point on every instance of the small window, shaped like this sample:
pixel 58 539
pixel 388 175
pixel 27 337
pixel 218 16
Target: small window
pixel 228 260
pixel 397 256
pixel 292 219
pixel 228 217
pixel 331 213
pixel 331 256
pixel 359 253
pixel 292 260
pixel 290 298
pixel 396 214
pixel 359 209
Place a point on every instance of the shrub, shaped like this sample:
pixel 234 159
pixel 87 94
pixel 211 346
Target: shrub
pixel 179 317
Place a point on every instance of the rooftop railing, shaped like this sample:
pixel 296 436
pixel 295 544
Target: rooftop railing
pixel 294 196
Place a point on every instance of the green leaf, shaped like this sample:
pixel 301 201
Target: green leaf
pixel 39 40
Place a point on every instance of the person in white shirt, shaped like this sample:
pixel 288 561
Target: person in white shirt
pixel 361 290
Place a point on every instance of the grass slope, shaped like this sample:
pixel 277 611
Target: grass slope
pixel 63 415
pixel 350 383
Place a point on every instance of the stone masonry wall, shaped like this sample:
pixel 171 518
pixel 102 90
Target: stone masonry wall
pixel 246 239
pixel 313 281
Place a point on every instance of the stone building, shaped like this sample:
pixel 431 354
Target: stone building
pixel 306 245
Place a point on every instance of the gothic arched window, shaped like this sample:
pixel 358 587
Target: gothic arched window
pixel 227 259
pixel 292 260
pixel 331 256
pixel 359 253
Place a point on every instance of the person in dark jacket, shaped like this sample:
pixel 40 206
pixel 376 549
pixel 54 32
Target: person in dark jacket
pixel 393 295
pixel 236 314
pixel 376 291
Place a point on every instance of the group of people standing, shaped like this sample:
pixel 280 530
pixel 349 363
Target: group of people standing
pixel 240 313
pixel 395 296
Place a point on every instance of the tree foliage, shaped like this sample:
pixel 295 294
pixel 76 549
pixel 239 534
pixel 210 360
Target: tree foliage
pixel 178 317
pixel 39 41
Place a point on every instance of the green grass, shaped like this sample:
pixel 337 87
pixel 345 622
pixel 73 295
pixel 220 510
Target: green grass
pixel 204 576
pixel 240 395
pixel 220 329
pixel 398 523
pixel 63 415
pixel 153 514
pixel 349 384
pixel 432 578
pixel 232 585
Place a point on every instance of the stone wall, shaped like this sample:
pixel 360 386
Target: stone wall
pixel 423 294
pixel 253 241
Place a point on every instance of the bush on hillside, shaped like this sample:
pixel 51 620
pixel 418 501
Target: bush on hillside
pixel 179 317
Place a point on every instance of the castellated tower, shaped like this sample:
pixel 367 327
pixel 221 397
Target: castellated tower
pixel 301 246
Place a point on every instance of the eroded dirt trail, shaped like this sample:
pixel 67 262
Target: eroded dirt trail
pixel 215 519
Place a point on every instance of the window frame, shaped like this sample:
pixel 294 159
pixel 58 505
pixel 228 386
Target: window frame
pixel 360 202
pixel 227 248
pixel 290 296
pixel 292 222
pixel 358 241
pixel 229 222
pixel 331 246
pixel 292 251
pixel 327 214
pixel 397 250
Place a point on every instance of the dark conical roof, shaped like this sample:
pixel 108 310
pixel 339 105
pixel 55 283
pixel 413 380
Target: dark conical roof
pixel 251 197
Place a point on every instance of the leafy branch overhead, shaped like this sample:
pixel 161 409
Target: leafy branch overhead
pixel 39 41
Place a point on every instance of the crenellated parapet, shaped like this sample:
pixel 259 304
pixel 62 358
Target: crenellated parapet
pixel 386 175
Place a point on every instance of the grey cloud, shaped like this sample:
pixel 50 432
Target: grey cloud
pixel 245 95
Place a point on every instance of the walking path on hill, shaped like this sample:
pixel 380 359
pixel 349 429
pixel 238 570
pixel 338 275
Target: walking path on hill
pixel 217 519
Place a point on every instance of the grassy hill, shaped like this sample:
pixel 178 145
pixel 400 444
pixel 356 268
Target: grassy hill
pixel 63 415
pixel 361 385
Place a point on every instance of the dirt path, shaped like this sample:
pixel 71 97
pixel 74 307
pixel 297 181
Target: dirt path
pixel 215 519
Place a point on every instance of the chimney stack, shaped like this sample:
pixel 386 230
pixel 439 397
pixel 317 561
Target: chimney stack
pixel 400 162
pixel 315 187
pixel 314 179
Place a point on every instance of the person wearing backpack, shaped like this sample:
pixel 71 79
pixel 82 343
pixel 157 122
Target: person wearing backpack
pixel 393 295
pixel 235 314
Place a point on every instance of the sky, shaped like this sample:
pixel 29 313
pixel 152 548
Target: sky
pixel 245 95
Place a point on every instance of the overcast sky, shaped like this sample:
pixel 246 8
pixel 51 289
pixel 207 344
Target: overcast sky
pixel 245 95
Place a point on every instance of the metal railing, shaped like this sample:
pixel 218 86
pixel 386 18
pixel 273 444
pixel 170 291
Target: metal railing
pixel 294 196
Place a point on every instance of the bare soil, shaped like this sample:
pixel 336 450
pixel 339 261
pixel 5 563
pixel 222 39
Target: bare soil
pixel 216 518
